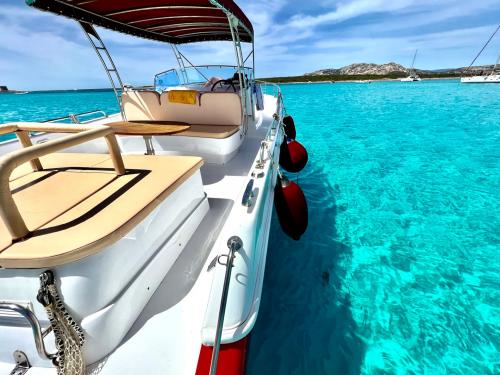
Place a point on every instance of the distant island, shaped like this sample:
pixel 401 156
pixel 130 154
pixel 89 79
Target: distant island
pixel 5 90
pixel 370 72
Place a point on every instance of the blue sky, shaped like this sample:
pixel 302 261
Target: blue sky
pixel 42 51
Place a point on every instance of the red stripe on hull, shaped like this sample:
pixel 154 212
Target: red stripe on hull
pixel 232 359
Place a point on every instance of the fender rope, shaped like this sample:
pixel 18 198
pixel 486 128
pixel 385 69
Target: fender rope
pixel 69 336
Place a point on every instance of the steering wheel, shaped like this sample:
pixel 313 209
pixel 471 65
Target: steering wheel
pixel 225 82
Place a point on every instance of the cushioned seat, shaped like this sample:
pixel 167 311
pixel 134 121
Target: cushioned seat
pixel 209 131
pixel 77 205
pixel 214 108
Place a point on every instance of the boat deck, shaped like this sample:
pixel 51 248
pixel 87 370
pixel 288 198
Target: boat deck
pixel 173 319
pixel 174 315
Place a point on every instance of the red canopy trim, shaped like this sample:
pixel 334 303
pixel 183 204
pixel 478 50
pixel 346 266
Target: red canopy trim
pixel 172 21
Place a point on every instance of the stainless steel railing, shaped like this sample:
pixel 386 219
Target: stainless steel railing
pixel 30 317
pixel 234 244
pixel 275 90
pixel 75 118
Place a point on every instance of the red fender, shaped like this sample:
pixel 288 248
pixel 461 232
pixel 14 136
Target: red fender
pixel 289 126
pixel 291 206
pixel 293 156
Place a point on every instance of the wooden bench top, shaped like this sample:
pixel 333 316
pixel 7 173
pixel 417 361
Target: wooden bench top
pixel 77 205
pixel 148 127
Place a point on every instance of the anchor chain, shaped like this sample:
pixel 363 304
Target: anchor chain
pixel 68 334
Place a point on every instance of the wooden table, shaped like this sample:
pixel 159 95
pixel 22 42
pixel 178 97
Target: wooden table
pixel 147 128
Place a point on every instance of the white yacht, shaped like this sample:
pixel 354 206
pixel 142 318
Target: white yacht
pixel 493 76
pixel 136 243
pixel 413 77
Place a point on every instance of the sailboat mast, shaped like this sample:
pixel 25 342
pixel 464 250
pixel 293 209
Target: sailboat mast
pixel 482 49
pixel 414 57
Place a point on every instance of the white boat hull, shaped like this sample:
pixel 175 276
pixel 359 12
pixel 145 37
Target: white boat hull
pixel 411 79
pixel 170 310
pixel 113 285
pixel 492 78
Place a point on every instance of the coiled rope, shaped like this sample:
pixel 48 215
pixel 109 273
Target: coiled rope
pixel 68 334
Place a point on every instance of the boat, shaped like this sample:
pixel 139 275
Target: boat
pixel 491 77
pixel 413 77
pixel 136 242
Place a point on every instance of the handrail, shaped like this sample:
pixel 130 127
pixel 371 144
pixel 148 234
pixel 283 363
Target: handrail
pixel 74 117
pixel 38 334
pixel 8 209
pixel 234 244
pixel 100 50
pixel 278 118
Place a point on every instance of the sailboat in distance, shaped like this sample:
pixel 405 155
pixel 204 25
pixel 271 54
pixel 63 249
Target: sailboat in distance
pixel 492 77
pixel 413 77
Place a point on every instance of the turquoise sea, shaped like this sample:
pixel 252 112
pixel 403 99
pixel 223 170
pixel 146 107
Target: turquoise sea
pixel 399 271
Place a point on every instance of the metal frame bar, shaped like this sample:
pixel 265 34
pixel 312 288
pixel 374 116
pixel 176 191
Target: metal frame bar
pixel 248 56
pixel 194 66
pixel 74 117
pixel 186 25
pixel 180 61
pixel 36 329
pixel 228 12
pixel 90 32
pixel 170 17
pixel 253 59
pixel 234 24
pixel 156 8
pixel 280 107
pixel 234 244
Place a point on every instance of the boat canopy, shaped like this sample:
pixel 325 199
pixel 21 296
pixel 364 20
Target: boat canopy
pixel 171 21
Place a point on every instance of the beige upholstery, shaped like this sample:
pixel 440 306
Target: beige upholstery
pixel 209 131
pixel 78 205
pixel 142 105
pixel 147 127
pixel 212 108
pixel 9 212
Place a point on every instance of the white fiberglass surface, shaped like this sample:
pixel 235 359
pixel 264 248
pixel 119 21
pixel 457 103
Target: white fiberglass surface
pixel 168 331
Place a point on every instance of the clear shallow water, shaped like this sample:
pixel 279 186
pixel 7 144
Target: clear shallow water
pixel 41 106
pixel 399 270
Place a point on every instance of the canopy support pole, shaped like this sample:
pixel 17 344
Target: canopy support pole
pixel 110 68
pixel 180 61
pixel 234 23
pixel 253 59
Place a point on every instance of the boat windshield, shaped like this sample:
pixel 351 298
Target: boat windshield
pixel 195 75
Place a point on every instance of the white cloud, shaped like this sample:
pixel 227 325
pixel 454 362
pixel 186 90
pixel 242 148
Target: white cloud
pixel 40 50
pixel 349 9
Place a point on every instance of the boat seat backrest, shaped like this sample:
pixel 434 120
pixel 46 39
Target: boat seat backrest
pixel 142 105
pixel 211 108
